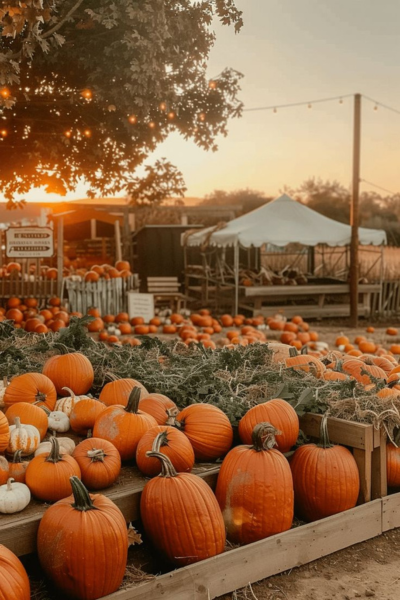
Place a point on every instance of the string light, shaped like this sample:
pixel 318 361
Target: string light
pixel 171 115
pixel 212 85
pixel 275 111
pixel 376 107
pixel 202 116
pixel 152 125
pixel 87 133
pixel 3 133
pixel 341 101
pixel 163 106
pixel 310 106
pixel 5 92
pixel 87 94
pixel 68 134
pixel 132 119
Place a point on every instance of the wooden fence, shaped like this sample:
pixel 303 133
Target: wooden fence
pixel 109 296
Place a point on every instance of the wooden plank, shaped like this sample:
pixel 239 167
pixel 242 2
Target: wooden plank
pixel 348 433
pixel 364 464
pixel 378 468
pixel 18 531
pixel 236 568
pixel 391 512
pixel 307 290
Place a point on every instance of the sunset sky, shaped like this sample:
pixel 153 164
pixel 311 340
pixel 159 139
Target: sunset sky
pixel 292 52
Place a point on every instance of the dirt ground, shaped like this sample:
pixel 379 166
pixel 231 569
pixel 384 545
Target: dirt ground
pixel 367 570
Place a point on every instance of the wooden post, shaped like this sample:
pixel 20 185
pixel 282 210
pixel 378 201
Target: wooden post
pixel 236 274
pixel 118 252
pixel 60 253
pixel 354 217
pixel 93 233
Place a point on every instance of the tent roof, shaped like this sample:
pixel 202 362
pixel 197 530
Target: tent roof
pixel 281 222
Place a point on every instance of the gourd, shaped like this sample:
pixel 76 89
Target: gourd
pixel 124 426
pixel 305 362
pixel 14 497
pixel 3 387
pixel 171 442
pixel 325 478
pixel 157 405
pixel 70 371
pixel 33 388
pixel 95 533
pixel 67 446
pixel 255 489
pixel 280 414
pixel 58 421
pixel 118 391
pixel 67 403
pixel 14 582
pixel 17 467
pixel 47 475
pixel 29 414
pixel 207 428
pixel 99 462
pixel 197 529
pixel 23 437
pixel 4 470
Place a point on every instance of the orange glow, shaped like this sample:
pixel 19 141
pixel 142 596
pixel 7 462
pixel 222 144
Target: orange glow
pixel 5 92
pixel 171 115
pixel 152 125
pixel 132 119
pixel 202 116
pixel 212 85
pixel 87 94
pixel 87 133
pixel 4 133
pixel 163 106
pixel 68 134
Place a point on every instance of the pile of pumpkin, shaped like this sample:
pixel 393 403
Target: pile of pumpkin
pixel 75 268
pixel 257 490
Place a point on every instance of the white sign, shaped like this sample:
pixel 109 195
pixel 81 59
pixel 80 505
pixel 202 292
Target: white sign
pixel 141 305
pixel 29 242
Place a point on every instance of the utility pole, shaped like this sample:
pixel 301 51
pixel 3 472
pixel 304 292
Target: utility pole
pixel 354 213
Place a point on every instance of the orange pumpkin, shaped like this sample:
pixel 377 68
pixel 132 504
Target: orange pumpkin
pixel 29 414
pixel 392 331
pixel 118 391
pixel 4 432
pixel 14 582
pixel 99 462
pixel 33 388
pixel 171 442
pixel 157 405
pixel 84 414
pixel 72 371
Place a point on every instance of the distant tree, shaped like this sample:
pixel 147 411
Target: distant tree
pixel 246 198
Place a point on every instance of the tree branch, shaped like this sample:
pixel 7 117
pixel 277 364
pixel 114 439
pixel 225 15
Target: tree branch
pixel 63 20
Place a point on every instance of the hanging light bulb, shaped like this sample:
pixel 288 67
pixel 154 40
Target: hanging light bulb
pixel 3 133
pixel 163 106
pixel 202 116
pixel 87 133
pixel 310 106
pixel 5 92
pixel 275 110
pixel 152 125
pixel 341 101
pixel 132 119
pixel 171 115
pixel 212 85
pixel 376 107
pixel 87 94
pixel 68 134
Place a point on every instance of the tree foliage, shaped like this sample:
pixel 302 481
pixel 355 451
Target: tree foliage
pixel 91 87
pixel 247 198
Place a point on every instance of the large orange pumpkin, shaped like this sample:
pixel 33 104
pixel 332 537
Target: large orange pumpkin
pixel 94 530
pixel 4 432
pixel 157 405
pixel 29 414
pixel 197 530
pixel 118 391
pixel 362 372
pixel 171 442
pixel 124 426
pixel 84 414
pixel 255 489
pixel 72 371
pixel 305 362
pixel 208 429
pixel 280 414
pixel 33 388
pixel 393 465
pixel 99 462
pixel 325 478
pixel 14 582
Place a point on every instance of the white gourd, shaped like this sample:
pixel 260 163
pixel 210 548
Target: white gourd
pixel 23 437
pixel 3 387
pixel 58 421
pixel 67 446
pixel 66 404
pixel 14 497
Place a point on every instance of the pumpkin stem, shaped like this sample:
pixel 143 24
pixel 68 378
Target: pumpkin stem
pixel 89 434
pixel 159 441
pixel 54 455
pixel 133 401
pixel 167 468
pixel 97 455
pixel 304 350
pixel 17 456
pixel 10 481
pixel 70 392
pixel 83 501
pixel 263 436
pixel 112 376
pixel 5 381
pixel 171 420
pixel 46 410
pixel 391 384
pixel 17 422
pixel 40 397
pixel 323 433
pixel 293 352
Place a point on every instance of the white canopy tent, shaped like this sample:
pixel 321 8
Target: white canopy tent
pixel 281 222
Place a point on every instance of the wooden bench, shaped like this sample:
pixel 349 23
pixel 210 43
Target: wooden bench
pixel 166 290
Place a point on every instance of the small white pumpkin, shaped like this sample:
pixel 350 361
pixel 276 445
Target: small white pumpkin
pixel 58 421
pixel 23 437
pixel 67 446
pixel 14 497
pixel 66 404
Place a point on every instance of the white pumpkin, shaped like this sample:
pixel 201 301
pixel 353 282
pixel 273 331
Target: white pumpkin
pixel 14 497
pixel 3 387
pixel 23 437
pixel 66 404
pixel 58 421
pixel 67 446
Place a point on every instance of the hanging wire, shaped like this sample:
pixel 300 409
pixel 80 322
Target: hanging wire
pixel 378 187
pixel 308 103
pixel 377 104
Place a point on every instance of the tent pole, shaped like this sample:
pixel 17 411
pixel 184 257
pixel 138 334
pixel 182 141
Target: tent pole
pixel 381 282
pixel 354 213
pixel 236 270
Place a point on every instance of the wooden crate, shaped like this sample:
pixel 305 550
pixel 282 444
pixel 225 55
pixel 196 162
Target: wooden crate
pixel 368 446
pixel 236 568
pixel 18 531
